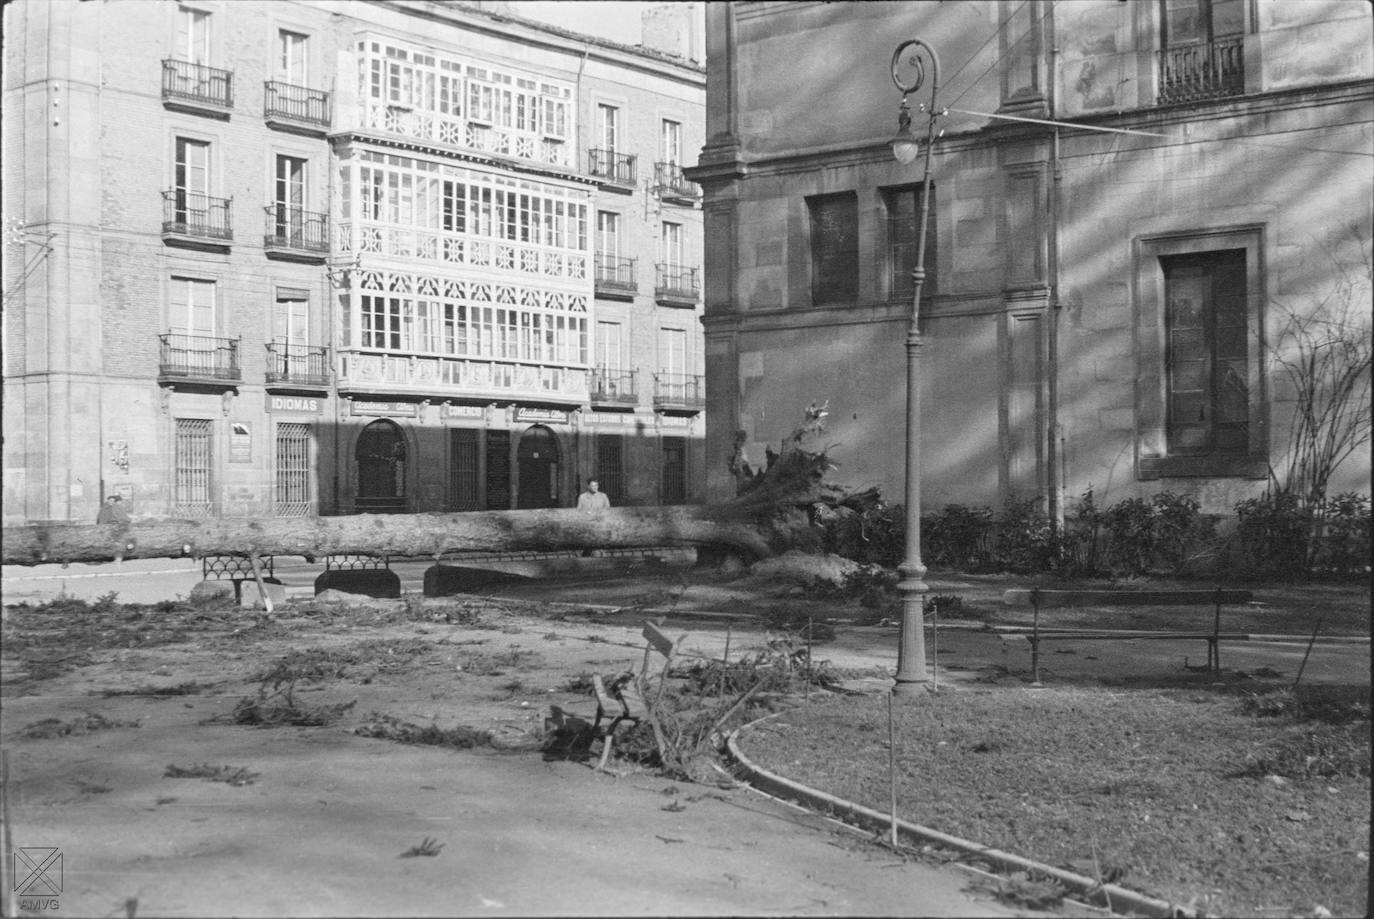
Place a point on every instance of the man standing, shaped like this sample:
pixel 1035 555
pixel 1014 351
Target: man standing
pixel 113 511
pixel 593 499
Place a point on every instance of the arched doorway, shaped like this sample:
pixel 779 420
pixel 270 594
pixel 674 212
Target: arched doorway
pixel 536 461
pixel 381 456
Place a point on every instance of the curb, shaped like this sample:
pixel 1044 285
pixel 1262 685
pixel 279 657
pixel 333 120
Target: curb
pixel 1121 900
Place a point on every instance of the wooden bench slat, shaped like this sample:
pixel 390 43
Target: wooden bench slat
pixel 1062 598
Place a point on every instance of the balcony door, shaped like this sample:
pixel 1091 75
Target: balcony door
pixel 291 48
pixel 288 204
pixel 536 460
pixel 192 43
pixel 670 253
pixel 291 333
pixel 191 183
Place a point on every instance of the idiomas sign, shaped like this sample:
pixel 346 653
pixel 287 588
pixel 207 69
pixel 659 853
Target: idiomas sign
pixel 303 405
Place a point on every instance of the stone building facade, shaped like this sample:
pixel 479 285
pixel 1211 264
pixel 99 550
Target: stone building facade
pixel 328 257
pixel 1129 201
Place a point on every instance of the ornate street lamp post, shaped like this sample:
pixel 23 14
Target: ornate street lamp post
pixel 911 654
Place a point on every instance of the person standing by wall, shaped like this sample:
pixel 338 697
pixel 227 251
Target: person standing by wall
pixel 593 499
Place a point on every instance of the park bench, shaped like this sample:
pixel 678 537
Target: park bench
pixel 1039 599
pixel 620 702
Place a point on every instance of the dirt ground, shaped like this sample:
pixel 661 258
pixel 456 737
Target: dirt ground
pixel 320 820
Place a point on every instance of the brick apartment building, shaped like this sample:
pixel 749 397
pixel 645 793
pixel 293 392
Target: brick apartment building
pixel 328 257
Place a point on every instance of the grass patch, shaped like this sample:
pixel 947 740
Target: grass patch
pixel 388 727
pixel 88 723
pixel 230 775
pixel 497 663
pixel 1179 793
pixel 180 689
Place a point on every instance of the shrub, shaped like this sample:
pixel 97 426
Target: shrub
pixel 958 537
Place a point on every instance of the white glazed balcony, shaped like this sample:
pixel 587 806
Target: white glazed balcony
pixel 456 377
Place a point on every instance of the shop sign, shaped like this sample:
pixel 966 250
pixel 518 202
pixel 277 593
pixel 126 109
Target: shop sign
pixel 464 411
pixel 389 409
pixel 541 414
pixel 309 405
pixel 611 417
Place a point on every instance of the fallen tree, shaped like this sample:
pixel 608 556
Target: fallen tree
pixel 767 517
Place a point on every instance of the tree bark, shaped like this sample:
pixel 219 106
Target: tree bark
pixel 760 522
pixel 414 535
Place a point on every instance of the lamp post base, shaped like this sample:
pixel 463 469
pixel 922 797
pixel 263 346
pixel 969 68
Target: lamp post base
pixel 912 678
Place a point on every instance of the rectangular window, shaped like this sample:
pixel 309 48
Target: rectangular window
pixel 608 117
pixel 610 466
pixel 191 306
pixel 464 494
pixel 192 36
pixel 291 318
pixel 672 351
pixel 288 204
pixel 191 183
pixel 291 60
pixel 670 142
pixel 671 247
pixel 608 345
pixel 1203 54
pixel 903 230
pixel 292 497
pixel 834 248
pixel 674 470
pixel 192 456
pixel 607 234
pixel 1207 371
pixel 381 323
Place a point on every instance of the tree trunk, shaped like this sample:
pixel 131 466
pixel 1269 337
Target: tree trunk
pixel 760 522
pixel 420 535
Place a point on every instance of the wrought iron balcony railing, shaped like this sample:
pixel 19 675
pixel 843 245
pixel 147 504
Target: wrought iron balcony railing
pixel 187 213
pixel 613 387
pixel 293 228
pixel 675 284
pixel 682 391
pixel 295 103
pixel 607 164
pixel 183 81
pixel 198 357
pixel 615 274
pixel 301 365
pixel 670 184
pixel 1208 70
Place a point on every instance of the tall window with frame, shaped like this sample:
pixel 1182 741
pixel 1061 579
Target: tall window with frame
pixel 192 41
pixel 1203 49
pixel 288 206
pixel 608 127
pixel 291 57
pixel 192 458
pixel 191 184
pixel 1206 354
pixel 608 246
pixel 292 491
pixel 670 142
pixel 834 248
pixel 291 335
pixel 671 248
pixel 191 306
pixel 903 231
